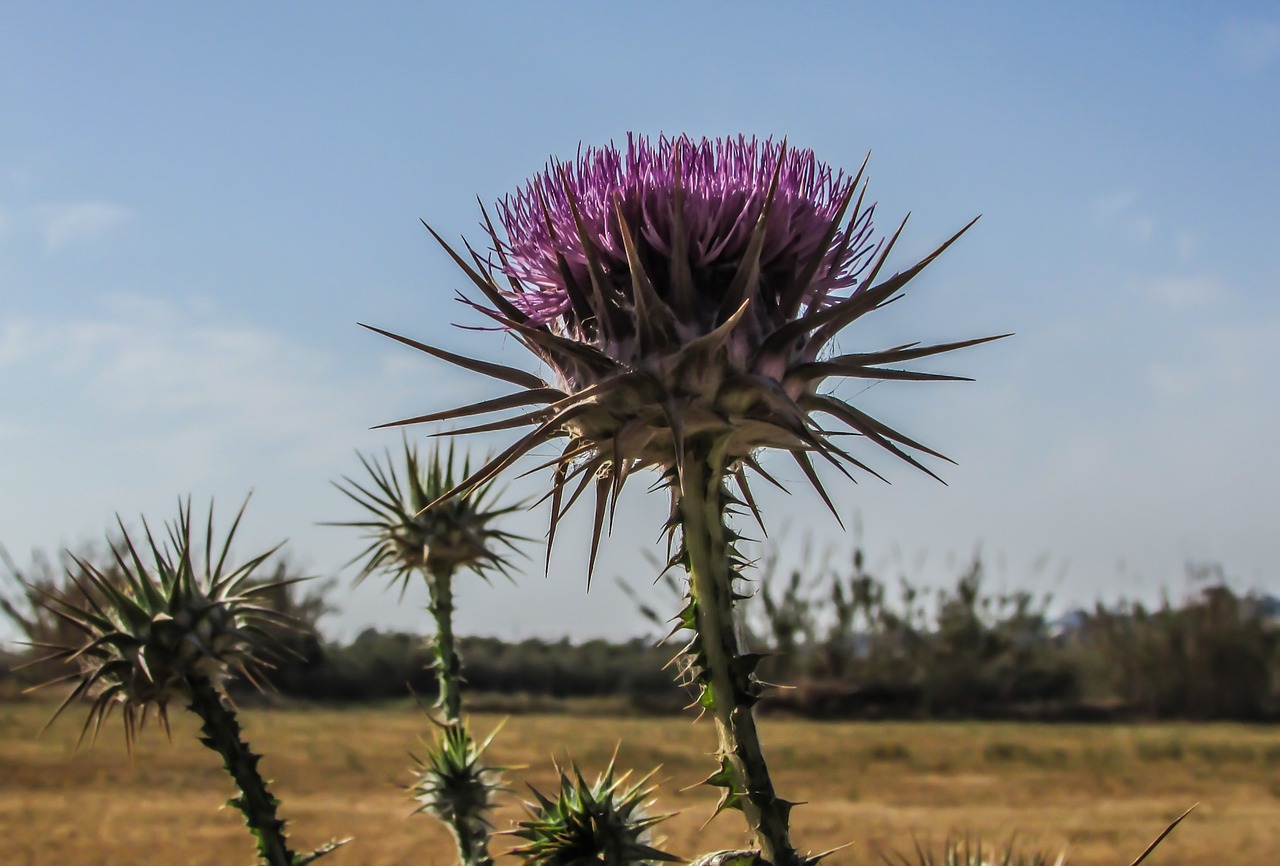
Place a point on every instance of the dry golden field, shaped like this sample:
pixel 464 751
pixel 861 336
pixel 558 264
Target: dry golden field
pixel 1101 792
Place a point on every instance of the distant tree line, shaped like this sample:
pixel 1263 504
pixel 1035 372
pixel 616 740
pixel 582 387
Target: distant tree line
pixel 844 645
pixel 388 665
pixel 856 648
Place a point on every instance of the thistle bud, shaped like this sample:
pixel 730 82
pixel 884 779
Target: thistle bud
pixel 406 537
pixel 605 823
pixel 454 785
pixel 161 622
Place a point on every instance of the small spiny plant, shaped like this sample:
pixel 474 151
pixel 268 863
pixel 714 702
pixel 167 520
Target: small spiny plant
pixel 172 626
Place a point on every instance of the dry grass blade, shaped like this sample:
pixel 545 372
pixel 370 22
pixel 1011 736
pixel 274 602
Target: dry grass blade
pixel 1167 830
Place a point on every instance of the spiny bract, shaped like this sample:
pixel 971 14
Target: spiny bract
pixel 164 619
pixel 606 823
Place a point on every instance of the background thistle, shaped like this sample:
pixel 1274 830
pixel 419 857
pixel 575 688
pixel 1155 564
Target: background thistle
pixel 604 823
pixel 155 624
pixel 407 538
pixel 167 628
pixel 684 295
pixel 454 785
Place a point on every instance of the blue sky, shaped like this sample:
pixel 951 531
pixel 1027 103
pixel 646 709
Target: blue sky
pixel 197 204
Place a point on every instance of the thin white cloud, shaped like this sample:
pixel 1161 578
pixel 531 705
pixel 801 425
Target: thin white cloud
pixel 198 394
pixel 1225 361
pixel 1187 245
pixel 1115 202
pixel 1181 293
pixel 185 384
pixel 18 178
pixel 1175 383
pixel 1245 353
pixel 401 364
pixel 1124 214
pixel 73 223
pixel 1252 46
pixel 15 342
pixel 1118 211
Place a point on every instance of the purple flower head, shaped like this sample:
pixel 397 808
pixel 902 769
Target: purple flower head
pixel 684 295
pixel 721 186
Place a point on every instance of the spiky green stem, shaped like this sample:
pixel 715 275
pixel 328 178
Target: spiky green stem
pixel 455 787
pixel 472 836
pixel 473 842
pixel 222 734
pixel 448 665
pixel 724 674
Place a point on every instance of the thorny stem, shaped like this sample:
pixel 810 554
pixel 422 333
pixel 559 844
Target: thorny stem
pixel 448 665
pixel 473 841
pixel 221 732
pixel 728 686
pixel 472 837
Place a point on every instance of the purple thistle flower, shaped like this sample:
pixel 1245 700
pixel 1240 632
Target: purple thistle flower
pixel 681 292
pixel 723 188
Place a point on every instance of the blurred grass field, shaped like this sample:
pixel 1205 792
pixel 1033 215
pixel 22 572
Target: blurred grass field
pixel 1101 792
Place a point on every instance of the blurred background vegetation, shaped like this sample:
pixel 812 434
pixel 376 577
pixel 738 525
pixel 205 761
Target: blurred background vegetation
pixel 843 642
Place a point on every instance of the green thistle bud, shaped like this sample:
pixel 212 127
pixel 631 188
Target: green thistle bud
pixel 602 824
pixel 454 785
pixel 164 621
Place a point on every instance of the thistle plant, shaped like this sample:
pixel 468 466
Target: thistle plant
pixel 170 628
pixel 603 823
pixel 408 539
pixel 454 785
pixel 684 295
